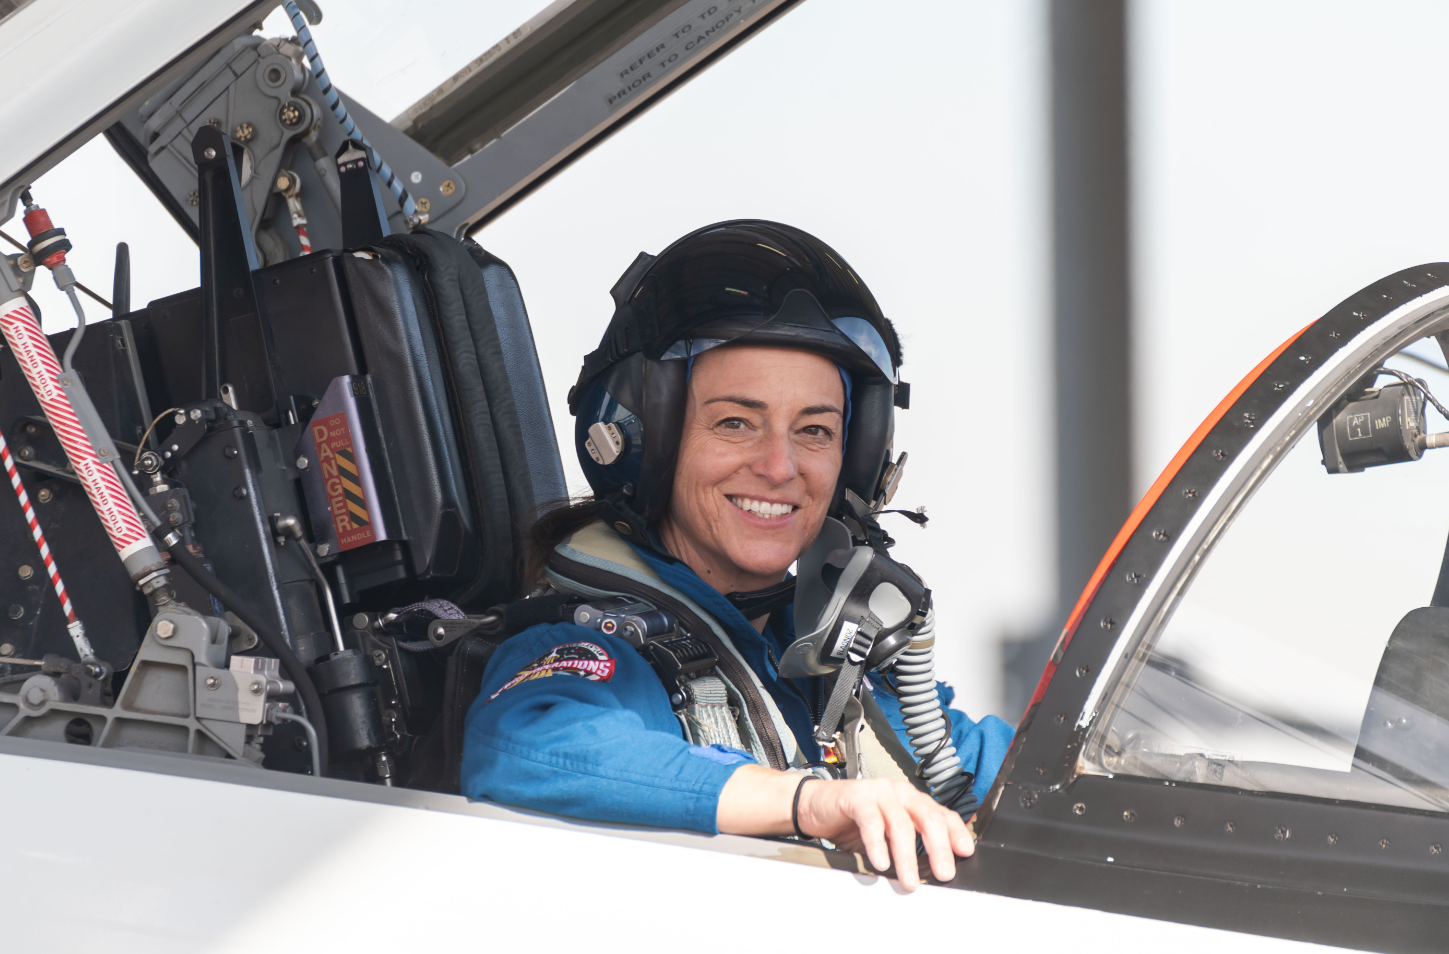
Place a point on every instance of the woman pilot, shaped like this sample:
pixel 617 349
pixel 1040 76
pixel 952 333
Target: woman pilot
pixel 742 393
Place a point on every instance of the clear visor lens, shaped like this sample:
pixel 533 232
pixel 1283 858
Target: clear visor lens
pixel 858 331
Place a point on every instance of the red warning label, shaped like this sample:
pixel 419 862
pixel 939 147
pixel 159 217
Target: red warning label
pixel 342 481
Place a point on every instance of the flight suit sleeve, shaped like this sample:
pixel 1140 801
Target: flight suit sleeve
pixel 574 722
pixel 981 745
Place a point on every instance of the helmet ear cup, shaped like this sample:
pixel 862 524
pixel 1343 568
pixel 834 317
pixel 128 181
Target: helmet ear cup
pixel 868 442
pixel 664 396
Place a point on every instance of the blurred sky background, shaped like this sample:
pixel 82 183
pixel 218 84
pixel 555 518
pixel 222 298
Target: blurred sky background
pixel 1285 153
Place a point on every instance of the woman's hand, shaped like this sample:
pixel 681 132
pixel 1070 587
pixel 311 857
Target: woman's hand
pixel 877 817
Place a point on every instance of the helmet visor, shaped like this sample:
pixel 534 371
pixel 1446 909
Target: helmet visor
pixel 800 323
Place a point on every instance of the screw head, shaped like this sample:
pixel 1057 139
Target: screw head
pixel 1129 816
pixel 256 688
pixel 1041 768
pixel 1028 799
pixel 1179 821
pixel 424 203
pixel 1333 838
pixel 676 699
pixel 212 682
pixel 208 153
pixel 1061 717
pixel 1161 536
pixel 324 549
pixel 302 463
pixel 379 658
pixel 1133 578
pixel 1190 493
pixel 165 629
pixel 448 187
pixel 1383 843
pixel 359 621
pixel 1108 622
pixel 1229 827
pixel 16 611
pixel 195 414
pixel 26 572
pixel 244 132
pixel 1082 671
pixel 290 115
pixel 27 453
pixel 1436 849
pixel 229 452
pixel 192 198
pixel 1220 455
pixel 7 649
pixel 416 177
pixel 1080 808
pixel 1282 833
pixel 44 495
pixel 240 493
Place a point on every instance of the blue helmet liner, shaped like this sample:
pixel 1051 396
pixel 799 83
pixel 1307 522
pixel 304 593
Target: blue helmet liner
pixel 745 282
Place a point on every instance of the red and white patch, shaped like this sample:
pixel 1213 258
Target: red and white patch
pixel 571 659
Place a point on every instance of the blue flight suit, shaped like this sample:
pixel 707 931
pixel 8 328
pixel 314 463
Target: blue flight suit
pixel 574 722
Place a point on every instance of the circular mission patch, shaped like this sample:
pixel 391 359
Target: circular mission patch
pixel 571 659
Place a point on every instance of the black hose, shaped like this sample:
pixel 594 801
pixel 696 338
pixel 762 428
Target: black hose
pixel 269 636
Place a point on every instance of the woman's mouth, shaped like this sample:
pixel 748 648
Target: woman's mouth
pixel 762 508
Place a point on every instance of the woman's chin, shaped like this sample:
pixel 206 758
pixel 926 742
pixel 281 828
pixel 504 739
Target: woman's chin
pixel 764 561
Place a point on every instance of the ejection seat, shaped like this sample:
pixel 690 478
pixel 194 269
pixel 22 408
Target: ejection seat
pixel 408 357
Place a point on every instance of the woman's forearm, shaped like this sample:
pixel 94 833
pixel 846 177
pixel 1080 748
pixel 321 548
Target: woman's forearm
pixel 756 801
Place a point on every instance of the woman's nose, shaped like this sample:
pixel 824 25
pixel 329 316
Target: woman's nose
pixel 776 461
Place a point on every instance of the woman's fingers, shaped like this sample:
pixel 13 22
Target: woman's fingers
pixel 872 827
pixel 936 837
pixel 963 843
pixel 902 830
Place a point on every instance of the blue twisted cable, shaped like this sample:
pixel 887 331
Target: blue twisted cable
pixel 334 102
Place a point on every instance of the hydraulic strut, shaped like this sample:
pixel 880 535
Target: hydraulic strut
pixel 88 446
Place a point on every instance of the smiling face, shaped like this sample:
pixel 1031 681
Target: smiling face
pixel 758 462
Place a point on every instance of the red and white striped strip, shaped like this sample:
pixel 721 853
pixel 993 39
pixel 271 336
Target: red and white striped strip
pixel 35 531
pixel 37 359
pixel 302 237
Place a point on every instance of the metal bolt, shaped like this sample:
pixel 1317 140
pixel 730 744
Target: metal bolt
pixel 300 743
pixel 1383 843
pixel 379 658
pixel 424 203
pixel 1230 828
pixel 173 504
pixel 359 621
pixel 1161 536
pixel 1179 821
pixel 1080 808
pixel 302 463
pixel 1133 578
pixel 16 611
pixel 195 414
pixel 1061 717
pixel 208 153
pixel 1083 670
pixel 256 688
pixel 192 198
pixel 291 114
pixel 1129 816
pixel 7 649
pixel 27 453
pixel 212 682
pixel 1190 493
pixel 448 187
pixel 26 572
pixel 1281 833
pixel 240 493
pixel 165 629
pixel 1435 849
pixel 244 132
pixel 174 519
pixel 1220 455
pixel 1333 839
pixel 1108 622
pixel 45 495
pixel 324 549
pixel 229 452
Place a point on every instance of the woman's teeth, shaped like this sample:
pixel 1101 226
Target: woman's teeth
pixel 761 508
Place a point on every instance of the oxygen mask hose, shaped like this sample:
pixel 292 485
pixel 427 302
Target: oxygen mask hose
pixel 926 726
